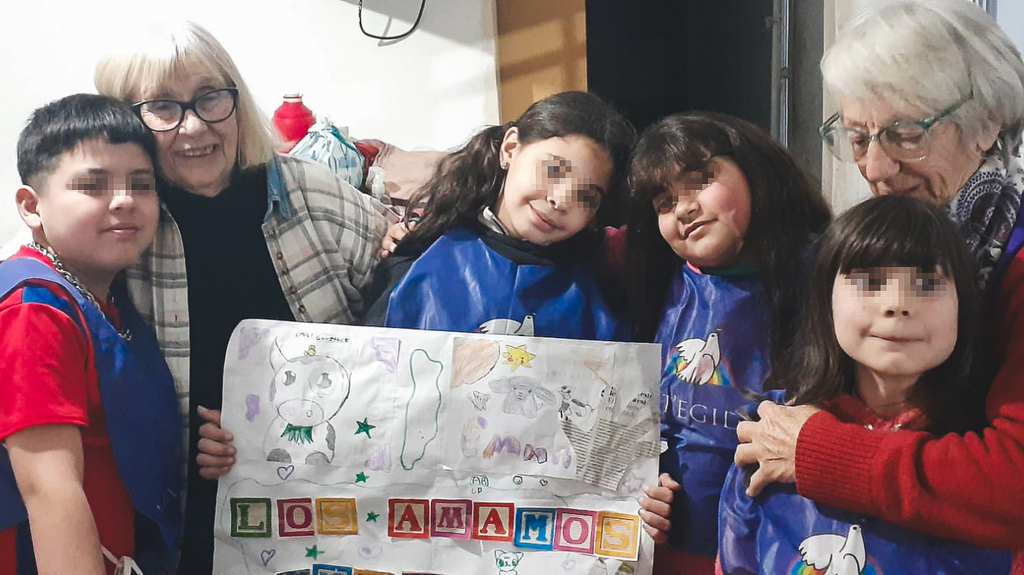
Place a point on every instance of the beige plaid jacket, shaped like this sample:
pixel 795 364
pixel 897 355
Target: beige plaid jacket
pixel 323 236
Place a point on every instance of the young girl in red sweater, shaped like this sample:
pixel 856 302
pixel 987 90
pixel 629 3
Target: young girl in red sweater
pixel 890 340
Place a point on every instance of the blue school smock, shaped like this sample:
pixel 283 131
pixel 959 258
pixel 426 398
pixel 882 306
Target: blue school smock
pixel 140 403
pixel 782 532
pixel 461 283
pixel 714 339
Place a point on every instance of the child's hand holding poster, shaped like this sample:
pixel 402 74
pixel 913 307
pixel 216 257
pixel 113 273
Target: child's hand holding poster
pixel 373 450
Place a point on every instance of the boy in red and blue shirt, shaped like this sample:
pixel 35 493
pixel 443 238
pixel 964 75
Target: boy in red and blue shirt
pixel 88 420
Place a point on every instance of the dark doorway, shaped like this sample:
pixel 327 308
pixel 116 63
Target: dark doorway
pixel 652 58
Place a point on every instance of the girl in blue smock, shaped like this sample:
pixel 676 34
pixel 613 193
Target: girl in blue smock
pixel 719 235
pixel 890 340
pixel 505 242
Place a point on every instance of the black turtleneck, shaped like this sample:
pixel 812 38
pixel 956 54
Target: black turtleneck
pixel 231 277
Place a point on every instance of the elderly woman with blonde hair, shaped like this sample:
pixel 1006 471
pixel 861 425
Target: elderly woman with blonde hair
pixel 244 233
pixel 931 104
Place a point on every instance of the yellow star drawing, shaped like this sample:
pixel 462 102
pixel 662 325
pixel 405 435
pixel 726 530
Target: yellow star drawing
pixel 518 356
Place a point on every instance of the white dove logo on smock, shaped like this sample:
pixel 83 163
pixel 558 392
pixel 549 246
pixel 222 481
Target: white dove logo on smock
pixel 506 326
pixel 697 359
pixel 836 554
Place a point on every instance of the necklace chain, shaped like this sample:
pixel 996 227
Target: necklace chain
pixel 126 335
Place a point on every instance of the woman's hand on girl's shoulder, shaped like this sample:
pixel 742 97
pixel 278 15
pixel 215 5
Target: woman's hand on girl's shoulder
pixel 216 453
pixel 770 443
pixel 656 507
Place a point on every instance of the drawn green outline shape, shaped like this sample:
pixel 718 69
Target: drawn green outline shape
pixel 437 412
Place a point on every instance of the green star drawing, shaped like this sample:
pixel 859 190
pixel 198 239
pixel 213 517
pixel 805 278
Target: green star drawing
pixel 364 427
pixel 371 516
pixel 360 477
pixel 313 552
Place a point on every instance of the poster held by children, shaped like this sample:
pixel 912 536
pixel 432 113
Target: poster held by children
pixel 375 450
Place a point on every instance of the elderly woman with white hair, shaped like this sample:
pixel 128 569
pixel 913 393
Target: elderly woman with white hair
pixel 931 104
pixel 244 233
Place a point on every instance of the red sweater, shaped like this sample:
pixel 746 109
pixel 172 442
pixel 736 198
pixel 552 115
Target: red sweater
pixel 969 488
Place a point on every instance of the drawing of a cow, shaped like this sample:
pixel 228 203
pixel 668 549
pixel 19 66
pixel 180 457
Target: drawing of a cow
pixel 306 392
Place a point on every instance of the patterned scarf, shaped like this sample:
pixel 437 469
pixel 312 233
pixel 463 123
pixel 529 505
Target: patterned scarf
pixel 986 209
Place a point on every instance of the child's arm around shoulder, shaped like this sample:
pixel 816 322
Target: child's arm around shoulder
pixel 48 466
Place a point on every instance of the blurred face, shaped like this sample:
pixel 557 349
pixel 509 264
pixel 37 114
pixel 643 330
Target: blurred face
pixel 196 156
pixel 895 321
pixel 705 214
pixel 553 187
pixel 97 210
pixel 949 163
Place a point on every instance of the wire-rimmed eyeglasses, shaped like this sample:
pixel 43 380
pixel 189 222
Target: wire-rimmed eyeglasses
pixel 905 140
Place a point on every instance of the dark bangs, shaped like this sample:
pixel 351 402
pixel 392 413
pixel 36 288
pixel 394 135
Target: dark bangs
pixel 63 124
pixel 896 231
pixel 675 145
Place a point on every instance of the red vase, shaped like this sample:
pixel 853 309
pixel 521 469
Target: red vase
pixel 292 120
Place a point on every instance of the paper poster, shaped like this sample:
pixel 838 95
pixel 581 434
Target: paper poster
pixel 372 450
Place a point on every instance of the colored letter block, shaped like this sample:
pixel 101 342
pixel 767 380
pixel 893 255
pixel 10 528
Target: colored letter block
pixel 450 518
pixel 493 521
pixel 618 535
pixel 295 517
pixel 535 528
pixel 409 518
pixel 325 569
pixel 250 517
pixel 575 530
pixel 337 516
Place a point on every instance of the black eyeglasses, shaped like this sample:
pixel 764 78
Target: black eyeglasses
pixel 162 115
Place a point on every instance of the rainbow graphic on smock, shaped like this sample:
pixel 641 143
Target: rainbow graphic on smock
pixel 801 568
pixel 699 361
pixel 721 376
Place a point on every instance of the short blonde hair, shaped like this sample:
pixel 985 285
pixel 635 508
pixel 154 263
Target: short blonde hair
pixel 928 56
pixel 183 49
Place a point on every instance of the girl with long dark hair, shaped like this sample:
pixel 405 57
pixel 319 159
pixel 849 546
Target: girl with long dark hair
pixel 720 233
pixel 890 340
pixel 509 226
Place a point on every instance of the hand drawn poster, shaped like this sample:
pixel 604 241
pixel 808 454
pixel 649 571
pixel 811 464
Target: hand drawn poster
pixel 371 450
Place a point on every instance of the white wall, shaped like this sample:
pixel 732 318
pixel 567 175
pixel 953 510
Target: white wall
pixel 1010 15
pixel 841 182
pixel 427 91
